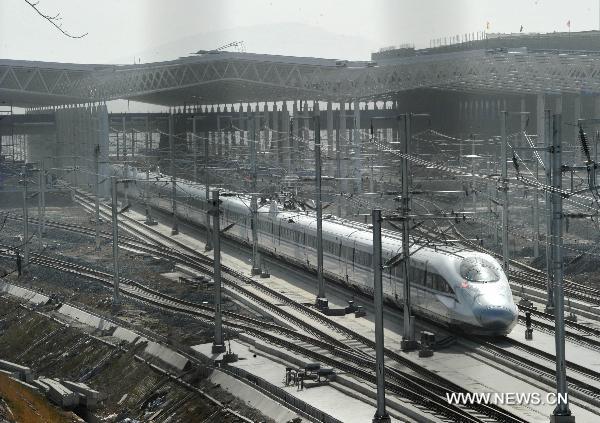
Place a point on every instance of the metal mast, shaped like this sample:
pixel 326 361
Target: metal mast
pixel 208 245
pixel 408 341
pixel 381 415
pixel 115 241
pixel 149 220
pixel 218 344
pixel 549 250
pixel 254 202
pixel 25 218
pixel 561 412
pixel 175 228
pixel 503 188
pixel 320 279
pixel 97 196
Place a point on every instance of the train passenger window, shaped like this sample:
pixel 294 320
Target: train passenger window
pixel 429 281
pixel 438 282
pixel 419 276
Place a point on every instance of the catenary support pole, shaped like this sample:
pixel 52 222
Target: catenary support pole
pixel 536 214
pixel 195 148
pixel 356 159
pixel 175 228
pixel 561 413
pixel 125 164
pixel 504 189
pixel 149 220
pixel 549 249
pixel 218 344
pixel 97 196
pixel 338 166
pixel 43 196
pixel 208 245
pixel 39 206
pixel 115 241
pixel 25 217
pixel 320 279
pixel 381 415
pixel 254 201
pixel 408 341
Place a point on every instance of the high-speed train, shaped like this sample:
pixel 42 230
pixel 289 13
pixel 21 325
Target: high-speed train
pixel 462 289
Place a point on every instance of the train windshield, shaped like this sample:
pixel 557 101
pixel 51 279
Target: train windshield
pixel 477 269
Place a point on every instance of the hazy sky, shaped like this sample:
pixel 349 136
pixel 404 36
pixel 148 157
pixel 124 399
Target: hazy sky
pixel 162 29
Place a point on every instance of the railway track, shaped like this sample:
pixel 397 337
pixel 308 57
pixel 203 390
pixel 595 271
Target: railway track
pixel 200 263
pixel 423 394
pixel 425 378
pixel 578 388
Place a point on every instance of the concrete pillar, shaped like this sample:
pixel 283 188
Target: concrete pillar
pixel 91 142
pixel 329 117
pixel 357 141
pixel 258 125
pixel 305 129
pixel 200 140
pixel 541 105
pixel 221 123
pixel 267 131
pixel 395 138
pixel 558 109
pixel 231 124
pixel 247 125
pixel 226 132
pixel 275 147
pixel 575 145
pixel 103 137
pixel 315 112
pixel 285 137
pixel 294 139
pixel 330 139
pixel 596 114
pixel 524 120
pixel 233 133
pixel 343 144
pixel 241 125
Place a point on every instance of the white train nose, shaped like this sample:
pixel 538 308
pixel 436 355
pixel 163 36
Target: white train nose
pixel 498 319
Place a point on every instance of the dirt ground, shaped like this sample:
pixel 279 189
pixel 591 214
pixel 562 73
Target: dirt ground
pixel 80 249
pixel 133 389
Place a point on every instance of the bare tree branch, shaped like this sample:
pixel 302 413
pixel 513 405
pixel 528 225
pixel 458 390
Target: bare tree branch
pixel 53 19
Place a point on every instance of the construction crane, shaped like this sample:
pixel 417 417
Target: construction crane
pixel 239 44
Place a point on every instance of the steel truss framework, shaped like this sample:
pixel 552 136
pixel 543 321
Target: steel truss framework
pixel 243 77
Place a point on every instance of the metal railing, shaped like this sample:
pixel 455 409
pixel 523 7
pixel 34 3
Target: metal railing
pixel 281 394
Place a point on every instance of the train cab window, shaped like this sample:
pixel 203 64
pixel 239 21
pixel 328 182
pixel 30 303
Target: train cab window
pixel 478 269
pixel 438 283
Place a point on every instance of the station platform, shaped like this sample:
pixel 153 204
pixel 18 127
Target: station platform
pixel 323 397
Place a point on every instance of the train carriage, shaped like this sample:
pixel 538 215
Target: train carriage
pixel 459 288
